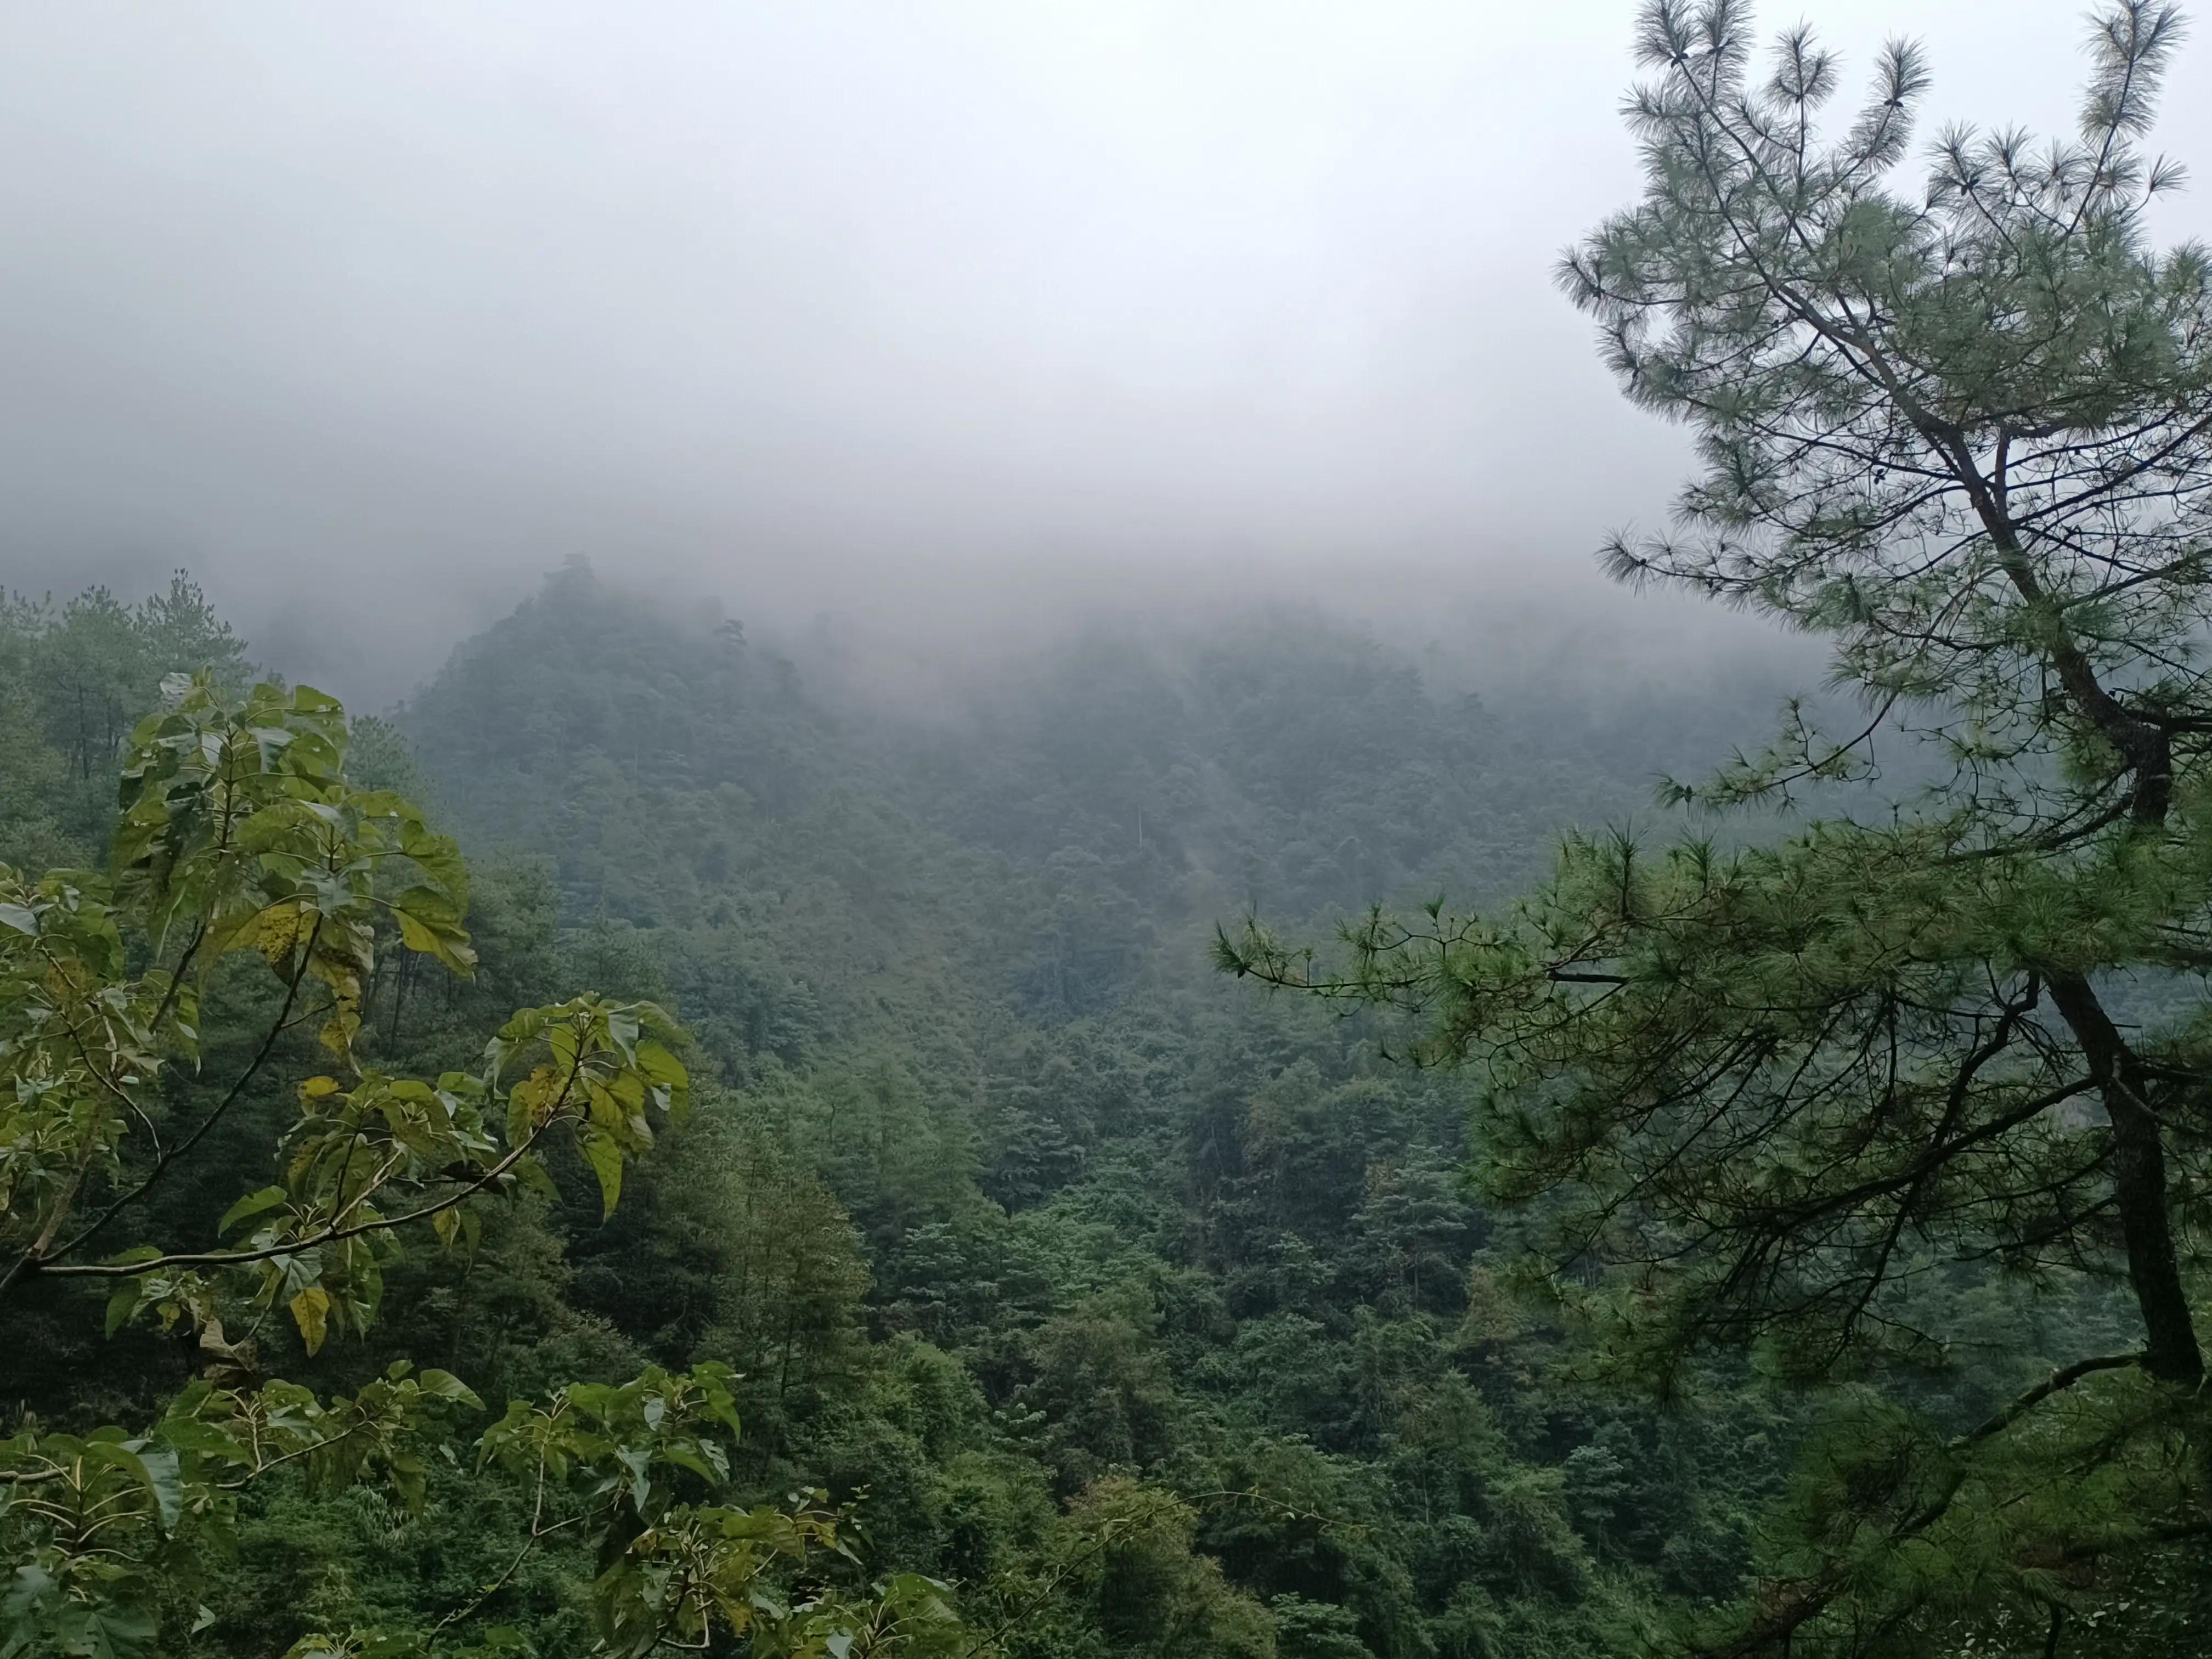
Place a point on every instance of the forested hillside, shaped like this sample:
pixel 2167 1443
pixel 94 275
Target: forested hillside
pixel 1151 1315
pixel 1155 1228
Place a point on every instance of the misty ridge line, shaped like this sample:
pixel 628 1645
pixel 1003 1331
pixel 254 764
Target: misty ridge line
pixel 1536 674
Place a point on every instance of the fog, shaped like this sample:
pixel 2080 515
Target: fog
pixel 950 321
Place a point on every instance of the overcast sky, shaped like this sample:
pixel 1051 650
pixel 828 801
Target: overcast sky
pixel 901 310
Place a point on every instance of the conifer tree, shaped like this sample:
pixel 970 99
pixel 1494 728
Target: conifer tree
pixel 1774 1096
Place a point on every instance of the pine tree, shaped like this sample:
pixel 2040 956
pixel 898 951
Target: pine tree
pixel 1782 1096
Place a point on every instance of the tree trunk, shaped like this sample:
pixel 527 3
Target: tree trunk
pixel 2138 1183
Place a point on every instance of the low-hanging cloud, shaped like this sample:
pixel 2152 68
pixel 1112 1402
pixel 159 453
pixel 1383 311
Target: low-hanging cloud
pixel 927 313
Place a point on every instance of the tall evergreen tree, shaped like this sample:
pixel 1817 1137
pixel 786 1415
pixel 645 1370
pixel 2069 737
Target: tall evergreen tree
pixel 1780 1095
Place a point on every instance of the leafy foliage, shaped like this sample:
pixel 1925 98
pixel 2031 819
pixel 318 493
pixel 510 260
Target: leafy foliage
pixel 240 833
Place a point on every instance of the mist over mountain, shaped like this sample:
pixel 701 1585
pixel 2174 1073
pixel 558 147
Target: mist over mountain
pixel 959 324
pixel 1104 831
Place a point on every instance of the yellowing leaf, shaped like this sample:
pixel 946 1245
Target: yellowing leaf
pixel 311 1311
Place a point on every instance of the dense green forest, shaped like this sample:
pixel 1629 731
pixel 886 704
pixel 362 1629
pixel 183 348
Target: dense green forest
pixel 1153 1317
pixel 1197 1142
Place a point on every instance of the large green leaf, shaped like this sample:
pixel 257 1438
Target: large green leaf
pixel 604 1154
pixel 252 1205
